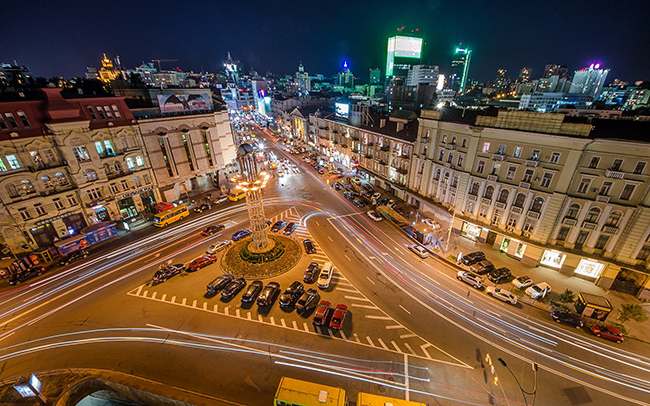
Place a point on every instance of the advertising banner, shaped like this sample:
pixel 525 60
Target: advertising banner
pixel 170 103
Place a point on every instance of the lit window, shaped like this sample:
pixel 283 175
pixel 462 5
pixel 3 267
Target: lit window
pixel 129 163
pixel 116 112
pixel 517 152
pixel 139 161
pixel 13 162
pixel 486 147
pixel 108 112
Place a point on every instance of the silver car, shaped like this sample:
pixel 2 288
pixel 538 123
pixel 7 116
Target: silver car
pixel 469 278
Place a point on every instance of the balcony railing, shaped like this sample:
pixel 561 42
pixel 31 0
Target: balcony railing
pixel 385 148
pixel 402 171
pixel 569 222
pixel 589 225
pixel 610 229
pixel 425 140
pixel 498 157
pixel 532 163
pixel 524 185
pixel 614 174
pixel 602 199
pixel 532 214
pixel 516 209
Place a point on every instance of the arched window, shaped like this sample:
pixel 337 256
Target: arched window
pixel 593 214
pixel 437 174
pixel 474 189
pixel 129 163
pixel 455 182
pixel 139 161
pixel 488 192
pixel 453 140
pixel 90 175
pixel 445 180
pixel 11 190
pixel 614 218
pixel 573 211
pixel 47 182
pixel 117 166
pixel 520 200
pixel 107 169
pixel 28 187
pixel 503 196
pixel 537 205
pixel 63 181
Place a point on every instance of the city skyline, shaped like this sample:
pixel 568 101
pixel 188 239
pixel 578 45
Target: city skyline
pixel 264 42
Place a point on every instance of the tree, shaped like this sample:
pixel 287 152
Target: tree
pixel 632 311
pixel 567 296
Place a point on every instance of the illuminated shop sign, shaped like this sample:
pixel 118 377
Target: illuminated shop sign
pixel 553 258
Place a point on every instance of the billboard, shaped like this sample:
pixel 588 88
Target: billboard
pixel 405 47
pixel 170 103
pixel 342 110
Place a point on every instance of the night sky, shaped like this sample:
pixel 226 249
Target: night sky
pixel 62 38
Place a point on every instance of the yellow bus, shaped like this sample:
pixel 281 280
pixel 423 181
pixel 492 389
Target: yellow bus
pixel 236 195
pixel 165 218
pixel 367 399
pixel 293 392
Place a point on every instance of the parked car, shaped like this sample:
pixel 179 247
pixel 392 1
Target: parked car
pixel 502 294
pixel 321 313
pixel 607 332
pixel 219 246
pixel 325 277
pixel 482 267
pixel 232 288
pixel 338 317
pixel 499 275
pixel 201 262
pixel 73 257
pixel 430 223
pixel 252 291
pixel 472 258
pixel 337 186
pixel 268 294
pixel 209 230
pixel 383 202
pixel 220 200
pixel 375 196
pixel 390 203
pixel 278 226
pixel 310 273
pixel 321 170
pixel 290 228
pixel 219 283
pixel 241 234
pixel 358 203
pixel 309 246
pixel 202 207
pixel 566 317
pixel 308 300
pixel 291 294
pixel 367 186
pixel 419 251
pixel 374 215
pixel 350 195
pixel 522 282
pixel 166 272
pixel 399 210
pixel 469 278
pixel 538 290
pixel 22 276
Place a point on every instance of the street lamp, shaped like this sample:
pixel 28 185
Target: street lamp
pixel 523 392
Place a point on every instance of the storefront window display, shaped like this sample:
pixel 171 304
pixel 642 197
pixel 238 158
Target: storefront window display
pixel 589 268
pixel 553 258
pixel 471 231
pixel 513 247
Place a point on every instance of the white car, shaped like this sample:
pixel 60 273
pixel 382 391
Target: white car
pixel 419 251
pixel 325 277
pixel 376 196
pixel 390 203
pixel 221 245
pixel 522 282
pixel 430 223
pixel 502 294
pixel 538 290
pixel 221 200
pixel 374 216
pixel 469 278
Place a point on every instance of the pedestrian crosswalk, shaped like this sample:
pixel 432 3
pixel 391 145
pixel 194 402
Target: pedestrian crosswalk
pixel 372 327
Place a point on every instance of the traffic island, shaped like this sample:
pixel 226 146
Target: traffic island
pixel 280 256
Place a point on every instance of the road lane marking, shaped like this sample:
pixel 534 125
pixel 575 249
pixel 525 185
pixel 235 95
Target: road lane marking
pixel 382 343
pixel 423 347
pixel 306 327
pixel 362 299
pixel 216 308
pixel 330 238
pixel 363 306
pixel 164 297
pixel 272 320
pixel 368 316
pixel 370 341
pixel 394 327
pixel 343 335
pixel 226 311
pixel 371 281
pixel 430 278
pixel 396 347
pixel 348 290
pixel 461 296
pixel 403 336
pixel 237 313
pixel 173 299
pixel 153 296
pixel 356 338
pixel 205 306
pixel 184 301
pixel 295 325
pixel 403 308
pixel 248 316
pixel 282 322
pixel 410 349
pixel 145 293
pixel 139 290
pixel 406 376
pixel 259 318
pixel 193 303
pixel 348 258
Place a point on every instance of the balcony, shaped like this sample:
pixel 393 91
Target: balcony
pixel 500 205
pixel 530 162
pixel 569 222
pixel 405 155
pixel 355 138
pixel 492 178
pixel 516 209
pixel 385 148
pixel 382 162
pixel 486 200
pixel 498 157
pixel 370 144
pixel 602 199
pixel 532 214
pixel 367 156
pixel 614 174
pixel 472 197
pixel 524 185
pixel 425 140
pixel 610 229
pixel 402 171
pixel 588 225
pixel 344 146
pixel 450 147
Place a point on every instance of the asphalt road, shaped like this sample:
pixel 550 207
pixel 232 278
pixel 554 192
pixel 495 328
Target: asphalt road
pixel 413 330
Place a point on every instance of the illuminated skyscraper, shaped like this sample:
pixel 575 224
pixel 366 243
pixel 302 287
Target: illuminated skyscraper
pixel 303 83
pixel 459 69
pixel 524 75
pixel 403 51
pixel 589 81
pixel 345 77
pixel 500 81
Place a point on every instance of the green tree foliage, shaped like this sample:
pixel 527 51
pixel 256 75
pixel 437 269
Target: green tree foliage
pixel 567 296
pixel 632 311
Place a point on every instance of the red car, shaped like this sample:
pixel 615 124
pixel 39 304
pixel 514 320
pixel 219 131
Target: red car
pixel 201 262
pixel 338 317
pixel 321 313
pixel 607 332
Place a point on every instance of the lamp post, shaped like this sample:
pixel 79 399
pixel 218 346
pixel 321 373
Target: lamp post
pixel 523 392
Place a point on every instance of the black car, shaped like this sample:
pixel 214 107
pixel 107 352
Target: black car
pixel 219 283
pixel 292 294
pixel 209 230
pixel 337 186
pixel 203 207
pixel 349 195
pixel 73 257
pixel 232 288
pixel 499 275
pixel 383 202
pixel 309 246
pixel 166 272
pixel 572 319
pixel 311 272
pixel 278 225
pixel 308 300
pixel 482 267
pixel 22 276
pixel 268 294
pixel 252 291
pixel 472 258
pixel 290 228
pixel 358 203
pixel 367 186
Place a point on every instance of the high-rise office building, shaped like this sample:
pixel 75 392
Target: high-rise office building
pixel 403 51
pixel 589 81
pixel 375 76
pixel 423 74
pixel 303 83
pixel 555 70
pixel 500 81
pixel 459 69
pixel 524 75
pixel 345 78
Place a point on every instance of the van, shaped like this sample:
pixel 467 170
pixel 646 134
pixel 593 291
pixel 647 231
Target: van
pixel 325 277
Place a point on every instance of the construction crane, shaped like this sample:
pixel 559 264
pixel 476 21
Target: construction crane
pixel 163 60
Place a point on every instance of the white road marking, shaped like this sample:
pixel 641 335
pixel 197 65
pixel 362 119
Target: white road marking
pixel 348 258
pixel 368 316
pixel 164 297
pixel 370 341
pixel 382 343
pixel 237 312
pixel 363 306
pixel 362 299
pixel 394 327
pixel 205 306
pixel 283 323
pixel 193 303
pixel 406 376
pixel 295 325
pixel 403 336
pixel 356 338
pixel 272 320
pixel 371 281
pixel 216 308
pixel 396 347
pixel 430 278
pixel 306 327
pixel 139 290
pixel 423 347
pixel 249 316
pixel 145 293
pixel 184 301
pixel 343 335
pixel 403 308
pixel 173 299
pixel 348 290
pixel 259 318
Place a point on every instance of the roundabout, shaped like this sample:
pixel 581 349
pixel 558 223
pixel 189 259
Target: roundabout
pixel 281 255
